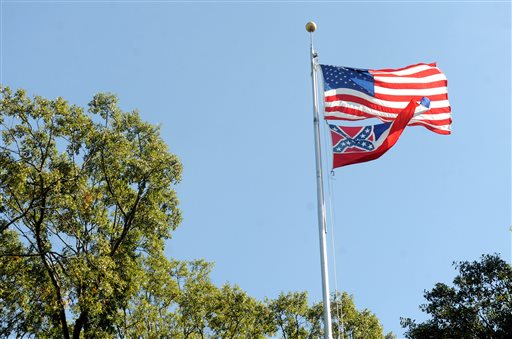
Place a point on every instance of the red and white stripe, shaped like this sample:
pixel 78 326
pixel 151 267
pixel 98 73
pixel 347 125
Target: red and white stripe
pixel 393 90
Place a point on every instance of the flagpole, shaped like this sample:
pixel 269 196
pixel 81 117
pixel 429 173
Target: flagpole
pixel 311 27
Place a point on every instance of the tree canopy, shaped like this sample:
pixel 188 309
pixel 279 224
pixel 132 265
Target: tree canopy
pixel 478 305
pixel 87 200
pixel 295 319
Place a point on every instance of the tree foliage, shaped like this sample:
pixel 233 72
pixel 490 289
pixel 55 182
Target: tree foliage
pixel 87 200
pixel 478 305
pixel 293 318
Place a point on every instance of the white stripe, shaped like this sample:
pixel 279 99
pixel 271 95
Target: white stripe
pixel 365 109
pixel 438 116
pixel 341 115
pixel 390 104
pixel 348 116
pixel 355 93
pixel 408 71
pixel 439 104
pixel 423 92
pixel 418 110
pixel 404 80
pixel 347 91
pixel 439 127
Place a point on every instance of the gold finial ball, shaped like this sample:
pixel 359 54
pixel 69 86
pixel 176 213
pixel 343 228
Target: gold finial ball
pixel 311 27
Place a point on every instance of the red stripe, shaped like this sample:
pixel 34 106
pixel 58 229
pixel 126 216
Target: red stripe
pixel 336 97
pixel 424 122
pixel 388 97
pixel 440 110
pixel 434 84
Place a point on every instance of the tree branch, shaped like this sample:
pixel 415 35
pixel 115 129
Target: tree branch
pixel 129 218
pixel 42 253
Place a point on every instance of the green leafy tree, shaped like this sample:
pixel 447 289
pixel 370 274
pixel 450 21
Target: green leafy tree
pixel 179 301
pixel 87 200
pixel 478 305
pixel 293 318
pixel 237 315
pixel 356 323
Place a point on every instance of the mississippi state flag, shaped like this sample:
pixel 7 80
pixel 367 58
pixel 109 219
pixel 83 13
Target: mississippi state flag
pixel 356 94
pixel 352 145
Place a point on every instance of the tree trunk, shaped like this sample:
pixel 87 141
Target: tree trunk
pixel 79 324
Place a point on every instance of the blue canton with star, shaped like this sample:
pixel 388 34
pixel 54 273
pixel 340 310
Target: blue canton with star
pixel 344 77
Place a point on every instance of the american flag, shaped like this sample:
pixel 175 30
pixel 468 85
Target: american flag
pixel 355 94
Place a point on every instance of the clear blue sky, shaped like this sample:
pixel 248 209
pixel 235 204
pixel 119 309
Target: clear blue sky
pixel 229 84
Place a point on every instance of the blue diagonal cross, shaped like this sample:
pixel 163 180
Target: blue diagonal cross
pixel 360 140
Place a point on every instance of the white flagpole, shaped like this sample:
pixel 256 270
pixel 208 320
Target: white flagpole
pixel 311 27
